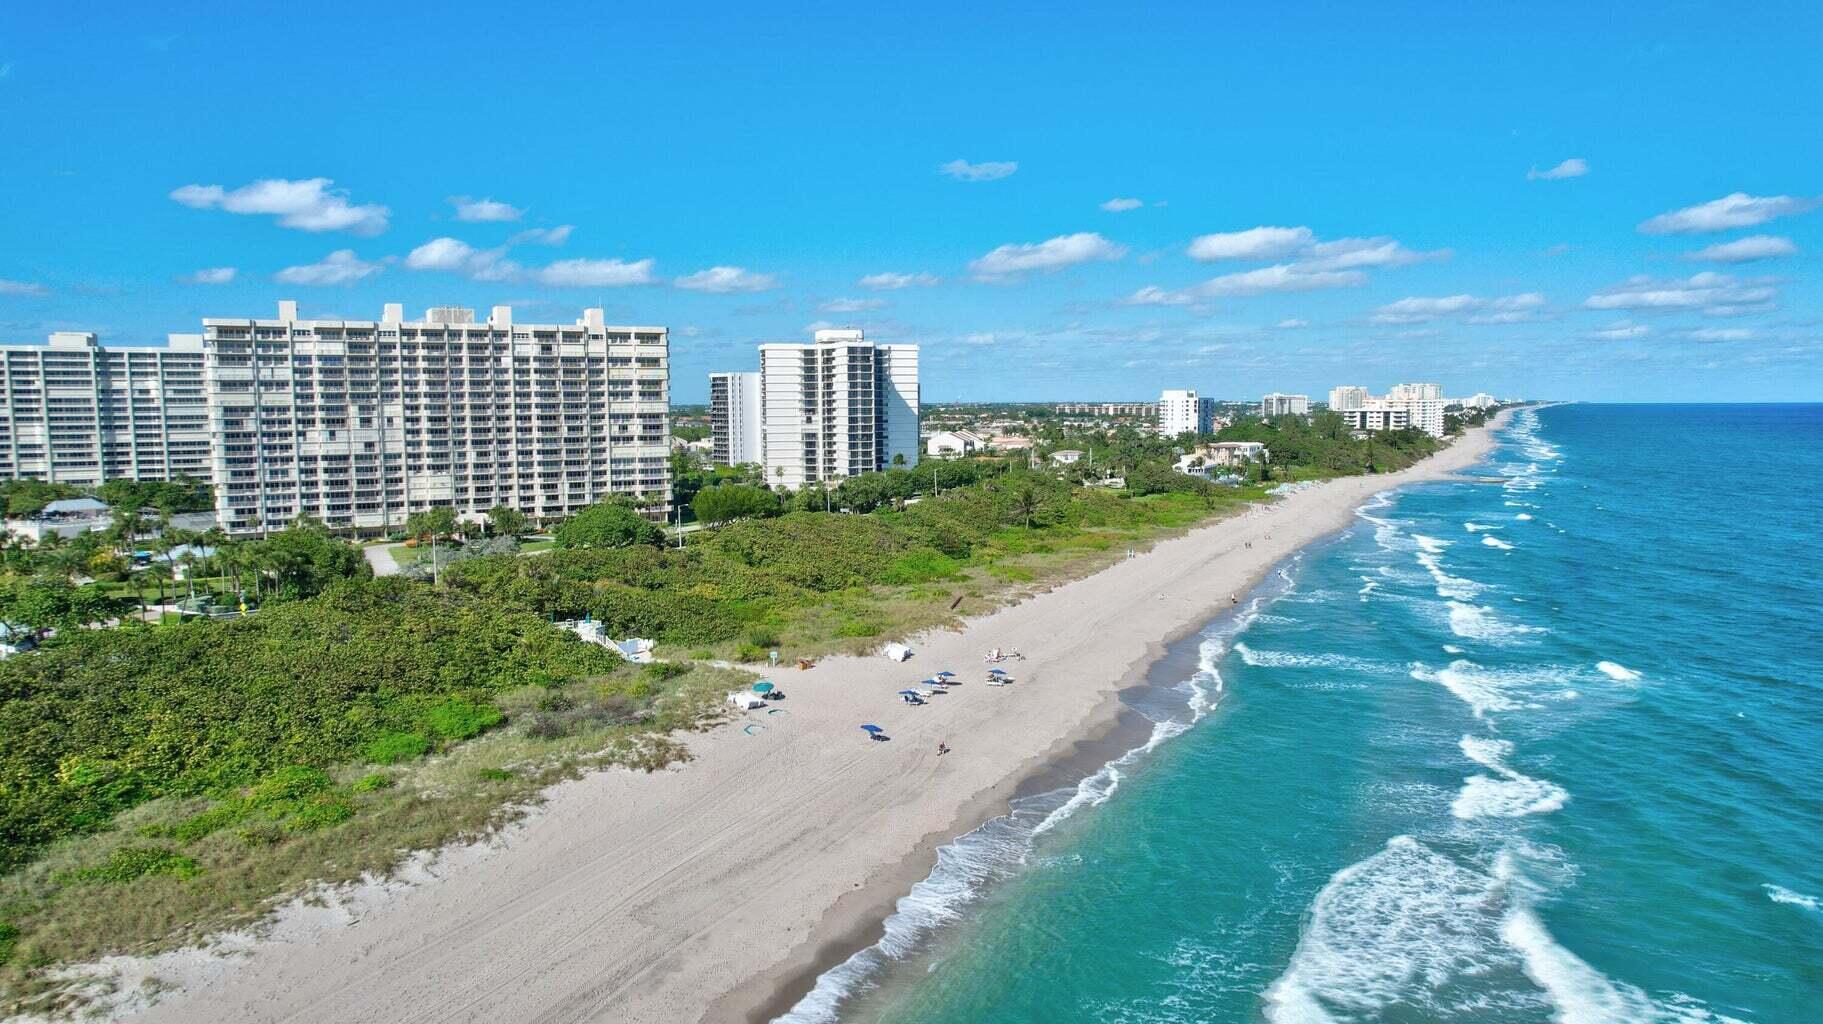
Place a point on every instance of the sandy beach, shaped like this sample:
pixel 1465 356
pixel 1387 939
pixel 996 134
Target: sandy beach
pixel 719 890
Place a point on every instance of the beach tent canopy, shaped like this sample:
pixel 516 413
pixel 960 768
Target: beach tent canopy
pixel 763 686
pixel 872 728
pixel 996 671
pixel 896 652
pixel 903 693
pixel 946 674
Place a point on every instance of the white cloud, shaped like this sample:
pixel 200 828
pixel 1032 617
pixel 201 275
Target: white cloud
pixel 1122 205
pixel 307 204
pixel 889 281
pixel 1052 254
pixel 1714 294
pixel 962 170
pixel 723 280
pixel 1506 309
pixel 1736 210
pixel 1720 334
pixel 543 236
pixel 596 273
pixel 1358 253
pixel 1280 277
pixel 1745 250
pixel 1153 295
pixel 851 305
pixel 483 210
pixel 1575 167
pixel 1621 330
pixel 1291 324
pixel 22 288
pixel 452 254
pixel 440 254
pixel 1261 243
pixel 339 267
pixel 210 275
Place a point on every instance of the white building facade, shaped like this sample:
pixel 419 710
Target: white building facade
pixel 837 407
pixel 1277 404
pixel 1182 411
pixel 77 412
pixel 1348 397
pixel 735 423
pixel 1378 415
pixel 357 423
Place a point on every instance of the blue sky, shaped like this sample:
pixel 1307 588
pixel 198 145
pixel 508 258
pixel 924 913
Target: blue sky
pixel 773 166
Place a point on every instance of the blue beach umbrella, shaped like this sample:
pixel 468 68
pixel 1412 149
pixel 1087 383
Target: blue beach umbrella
pixel 908 693
pixel 763 686
pixel 996 671
pixel 870 729
pixel 946 674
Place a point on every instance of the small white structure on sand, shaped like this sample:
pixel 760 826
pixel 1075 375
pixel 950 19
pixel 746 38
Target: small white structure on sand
pixel 746 700
pixel 896 652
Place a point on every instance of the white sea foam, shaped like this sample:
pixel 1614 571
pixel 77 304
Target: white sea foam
pixel 1490 690
pixel 1478 527
pixel 1780 894
pixel 1506 793
pixel 1390 929
pixel 1474 622
pixel 1617 672
pixel 1296 659
pixel 1524 517
pixel 1451 649
pixel 1454 587
pixel 1496 542
pixel 1430 545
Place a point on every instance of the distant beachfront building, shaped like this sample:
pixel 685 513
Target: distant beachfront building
pixel 1479 400
pixel 1133 409
pixel 1348 397
pixel 1204 459
pixel 1277 404
pixel 950 444
pixel 1181 411
pixel 837 407
pixel 1066 457
pixel 357 423
pixel 1414 393
pixel 77 412
pixel 734 419
pixel 1377 415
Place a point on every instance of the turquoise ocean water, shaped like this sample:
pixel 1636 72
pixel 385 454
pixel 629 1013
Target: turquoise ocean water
pixel 1545 749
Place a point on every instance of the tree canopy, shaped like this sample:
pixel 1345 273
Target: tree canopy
pixel 609 524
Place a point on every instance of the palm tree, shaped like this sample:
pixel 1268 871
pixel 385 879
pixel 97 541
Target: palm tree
pixel 160 573
pixel 1025 503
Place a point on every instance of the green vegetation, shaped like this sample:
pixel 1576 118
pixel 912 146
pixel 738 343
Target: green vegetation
pixel 609 524
pixel 1324 445
pixel 725 503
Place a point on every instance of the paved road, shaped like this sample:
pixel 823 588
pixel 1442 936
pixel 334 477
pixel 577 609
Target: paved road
pixel 380 557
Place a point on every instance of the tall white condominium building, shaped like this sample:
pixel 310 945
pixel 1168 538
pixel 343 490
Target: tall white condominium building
pixel 734 419
pixel 1277 404
pixel 1424 403
pixel 1347 397
pixel 362 422
pixel 1182 411
pixel 836 407
pixel 1414 392
pixel 76 412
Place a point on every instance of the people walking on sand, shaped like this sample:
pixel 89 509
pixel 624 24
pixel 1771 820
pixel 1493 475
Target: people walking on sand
pixel 942 748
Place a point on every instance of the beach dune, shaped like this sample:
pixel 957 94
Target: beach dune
pixel 718 890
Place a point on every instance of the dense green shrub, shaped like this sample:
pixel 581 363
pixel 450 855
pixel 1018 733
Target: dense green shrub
pixel 609 524
pixel 457 719
pixel 130 862
pixel 106 719
pixel 395 747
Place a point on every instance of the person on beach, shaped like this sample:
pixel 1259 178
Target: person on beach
pixel 942 748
